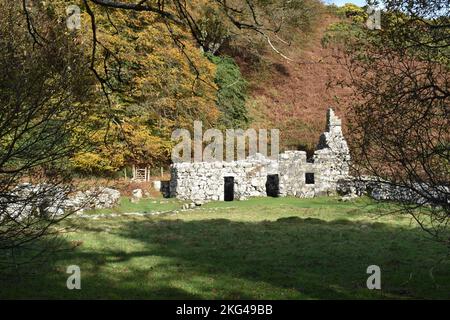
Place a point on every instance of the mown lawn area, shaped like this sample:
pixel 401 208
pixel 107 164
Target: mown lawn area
pixel 267 248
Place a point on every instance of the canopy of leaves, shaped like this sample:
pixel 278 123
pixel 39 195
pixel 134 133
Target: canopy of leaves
pixel 154 84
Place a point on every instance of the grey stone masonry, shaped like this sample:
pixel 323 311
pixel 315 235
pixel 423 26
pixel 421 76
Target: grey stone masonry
pixel 297 175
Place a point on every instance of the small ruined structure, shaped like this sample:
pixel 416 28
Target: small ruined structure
pixel 292 174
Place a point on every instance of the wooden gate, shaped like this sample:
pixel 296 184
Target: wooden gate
pixel 141 174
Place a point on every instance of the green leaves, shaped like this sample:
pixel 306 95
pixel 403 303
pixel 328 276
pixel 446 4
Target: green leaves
pixel 232 93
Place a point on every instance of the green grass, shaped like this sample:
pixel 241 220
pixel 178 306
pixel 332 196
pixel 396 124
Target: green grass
pixel 266 248
pixel 143 206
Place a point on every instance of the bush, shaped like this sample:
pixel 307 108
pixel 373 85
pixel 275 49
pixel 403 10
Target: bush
pixel 352 11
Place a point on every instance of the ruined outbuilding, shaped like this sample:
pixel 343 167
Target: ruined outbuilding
pixel 291 174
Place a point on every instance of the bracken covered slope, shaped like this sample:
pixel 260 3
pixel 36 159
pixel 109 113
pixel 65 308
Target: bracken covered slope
pixel 294 96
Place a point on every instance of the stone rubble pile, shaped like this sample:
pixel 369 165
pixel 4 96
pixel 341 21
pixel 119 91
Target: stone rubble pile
pixel 382 190
pixel 95 198
pixel 419 193
pixel 27 200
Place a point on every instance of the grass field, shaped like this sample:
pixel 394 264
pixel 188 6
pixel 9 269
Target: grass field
pixel 265 248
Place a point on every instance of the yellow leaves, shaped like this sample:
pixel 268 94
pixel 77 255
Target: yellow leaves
pixel 143 147
pixel 163 79
pixel 163 85
pixel 102 160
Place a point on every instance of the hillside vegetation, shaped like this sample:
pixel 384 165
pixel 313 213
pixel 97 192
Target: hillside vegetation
pixel 153 78
pixel 294 94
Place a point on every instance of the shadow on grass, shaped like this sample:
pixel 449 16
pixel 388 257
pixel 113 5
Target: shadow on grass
pixel 291 258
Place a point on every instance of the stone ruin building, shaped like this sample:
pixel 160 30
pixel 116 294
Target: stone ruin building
pixel 292 174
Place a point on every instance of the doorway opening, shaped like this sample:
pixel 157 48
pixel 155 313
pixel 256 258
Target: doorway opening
pixel 229 189
pixel 273 185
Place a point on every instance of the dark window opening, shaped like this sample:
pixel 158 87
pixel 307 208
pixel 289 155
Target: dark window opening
pixel 229 189
pixel 273 185
pixel 309 178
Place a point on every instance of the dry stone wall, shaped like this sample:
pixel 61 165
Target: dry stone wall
pixel 296 175
pixel 205 180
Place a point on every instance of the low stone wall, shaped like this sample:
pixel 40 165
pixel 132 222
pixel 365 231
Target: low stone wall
pixel 382 190
pixel 205 180
pixel 52 201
